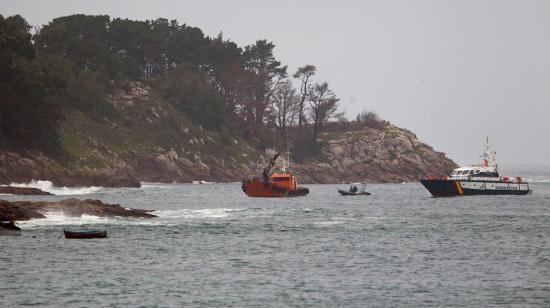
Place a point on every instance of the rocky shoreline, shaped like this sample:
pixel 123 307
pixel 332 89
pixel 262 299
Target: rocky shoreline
pixel 11 190
pixel 393 155
pixel 25 167
pixel 26 210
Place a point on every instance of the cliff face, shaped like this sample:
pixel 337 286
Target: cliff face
pixel 150 141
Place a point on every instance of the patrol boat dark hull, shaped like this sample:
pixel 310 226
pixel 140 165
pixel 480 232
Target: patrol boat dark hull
pixel 450 188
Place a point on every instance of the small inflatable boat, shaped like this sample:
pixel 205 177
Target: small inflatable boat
pixel 355 189
pixel 347 193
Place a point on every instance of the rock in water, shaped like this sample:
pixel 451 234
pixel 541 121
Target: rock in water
pixel 26 210
pixel 22 191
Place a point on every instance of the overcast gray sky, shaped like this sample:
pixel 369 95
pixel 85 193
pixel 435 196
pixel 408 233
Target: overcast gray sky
pixel 453 72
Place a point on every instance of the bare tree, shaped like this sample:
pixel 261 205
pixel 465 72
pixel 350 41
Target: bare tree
pixel 284 107
pixel 370 119
pixel 323 106
pixel 303 74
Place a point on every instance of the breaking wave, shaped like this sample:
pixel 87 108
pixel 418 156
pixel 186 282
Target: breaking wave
pixel 60 219
pixel 47 186
pixel 165 218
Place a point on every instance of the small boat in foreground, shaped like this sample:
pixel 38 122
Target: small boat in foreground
pixel 281 183
pixel 355 189
pixel 9 228
pixel 85 234
pixel 481 179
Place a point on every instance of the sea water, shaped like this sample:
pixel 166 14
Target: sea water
pixel 211 245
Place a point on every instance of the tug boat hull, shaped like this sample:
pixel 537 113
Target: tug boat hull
pixel 281 183
pixel 258 188
pixel 450 188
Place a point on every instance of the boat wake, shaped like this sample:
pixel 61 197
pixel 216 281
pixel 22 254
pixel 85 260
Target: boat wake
pixel 47 186
pixel 538 179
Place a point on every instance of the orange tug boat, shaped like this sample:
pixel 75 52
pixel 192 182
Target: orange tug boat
pixel 281 184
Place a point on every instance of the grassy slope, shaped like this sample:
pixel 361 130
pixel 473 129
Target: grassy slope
pixel 152 141
pixel 148 126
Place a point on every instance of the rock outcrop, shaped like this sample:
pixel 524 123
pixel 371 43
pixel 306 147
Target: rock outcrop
pixel 26 210
pixel 389 155
pixel 22 191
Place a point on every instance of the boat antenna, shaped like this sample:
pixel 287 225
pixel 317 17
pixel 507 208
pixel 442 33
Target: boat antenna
pixel 489 158
pixel 287 152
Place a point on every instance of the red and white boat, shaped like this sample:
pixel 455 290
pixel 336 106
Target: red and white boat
pixel 483 179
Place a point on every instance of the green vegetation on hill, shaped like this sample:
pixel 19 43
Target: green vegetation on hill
pixel 76 62
pixel 90 100
pixel 29 104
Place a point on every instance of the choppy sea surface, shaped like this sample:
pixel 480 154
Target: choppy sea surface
pixel 213 246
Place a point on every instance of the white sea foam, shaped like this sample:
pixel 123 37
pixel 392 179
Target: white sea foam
pixel 203 182
pixel 60 219
pixel 153 185
pixel 47 186
pixel 328 223
pixel 190 213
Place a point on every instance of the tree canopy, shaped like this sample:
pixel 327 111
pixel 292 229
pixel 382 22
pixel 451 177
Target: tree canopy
pixel 29 111
pixel 76 61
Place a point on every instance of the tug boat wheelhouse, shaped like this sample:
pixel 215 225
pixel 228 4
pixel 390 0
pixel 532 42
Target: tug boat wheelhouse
pixel 281 183
pixel 481 179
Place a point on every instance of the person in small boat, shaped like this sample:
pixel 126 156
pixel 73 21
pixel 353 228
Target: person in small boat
pixel 353 189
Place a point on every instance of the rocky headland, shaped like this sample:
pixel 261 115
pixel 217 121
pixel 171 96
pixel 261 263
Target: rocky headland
pixel 384 155
pixel 26 210
pixel 150 141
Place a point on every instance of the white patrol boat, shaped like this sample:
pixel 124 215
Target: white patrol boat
pixel 481 179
